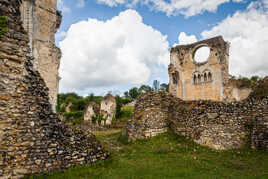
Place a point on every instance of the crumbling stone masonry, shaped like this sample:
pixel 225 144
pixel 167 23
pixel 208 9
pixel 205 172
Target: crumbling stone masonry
pixel 209 80
pixel 215 124
pixel 92 110
pixel 41 21
pixel 32 138
pixel 108 108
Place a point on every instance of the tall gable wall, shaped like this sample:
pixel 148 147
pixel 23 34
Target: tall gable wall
pixel 41 20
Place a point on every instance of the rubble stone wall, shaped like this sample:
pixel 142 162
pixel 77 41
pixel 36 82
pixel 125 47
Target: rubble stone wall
pixel 32 138
pixel 215 124
pixel 150 116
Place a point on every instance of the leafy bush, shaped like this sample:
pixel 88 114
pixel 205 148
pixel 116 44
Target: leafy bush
pixel 3 25
pixel 79 103
pixel 77 121
pixel 94 119
pixel 127 112
pixel 74 115
pixel 126 100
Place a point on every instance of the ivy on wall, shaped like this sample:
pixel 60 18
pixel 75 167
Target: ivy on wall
pixel 3 25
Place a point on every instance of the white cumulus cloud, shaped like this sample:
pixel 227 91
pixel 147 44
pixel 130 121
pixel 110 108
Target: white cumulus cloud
pixel 186 39
pixel 119 51
pixel 247 32
pixel 173 7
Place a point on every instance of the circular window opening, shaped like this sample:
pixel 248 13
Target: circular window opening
pixel 201 54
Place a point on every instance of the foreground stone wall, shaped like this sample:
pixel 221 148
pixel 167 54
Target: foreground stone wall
pixel 215 124
pixel 32 138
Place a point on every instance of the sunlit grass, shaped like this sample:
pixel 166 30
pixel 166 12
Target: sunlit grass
pixel 168 156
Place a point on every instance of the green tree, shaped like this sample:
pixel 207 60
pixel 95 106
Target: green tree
pixel 254 78
pixel 133 93
pixel 119 105
pixel 126 94
pixel 144 89
pixel 164 87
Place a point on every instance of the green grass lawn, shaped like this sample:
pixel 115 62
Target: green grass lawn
pixel 168 156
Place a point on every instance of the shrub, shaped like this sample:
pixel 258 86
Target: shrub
pixel 74 115
pixel 77 121
pixel 94 119
pixel 3 25
pixel 99 117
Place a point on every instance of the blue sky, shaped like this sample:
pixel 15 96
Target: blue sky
pixel 170 25
pixel 85 68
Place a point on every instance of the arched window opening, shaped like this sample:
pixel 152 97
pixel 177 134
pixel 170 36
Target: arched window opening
pixel 199 78
pixel 209 76
pixel 205 77
pixel 195 79
pixel 175 77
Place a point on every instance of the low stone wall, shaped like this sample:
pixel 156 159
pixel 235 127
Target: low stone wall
pixel 150 117
pixel 215 124
pixel 32 138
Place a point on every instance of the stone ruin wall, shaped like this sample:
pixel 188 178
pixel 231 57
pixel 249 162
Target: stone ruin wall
pixel 41 20
pixel 92 110
pixel 214 124
pixel 32 138
pixel 108 108
pixel 191 80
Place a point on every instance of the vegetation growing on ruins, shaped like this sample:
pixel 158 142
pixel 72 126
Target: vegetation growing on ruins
pixel 244 82
pixel 3 25
pixel 168 156
pixel 261 90
pixel 80 103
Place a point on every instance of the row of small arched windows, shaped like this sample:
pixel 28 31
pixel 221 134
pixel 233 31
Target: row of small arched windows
pixel 200 78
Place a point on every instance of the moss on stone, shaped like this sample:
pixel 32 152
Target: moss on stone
pixel 3 25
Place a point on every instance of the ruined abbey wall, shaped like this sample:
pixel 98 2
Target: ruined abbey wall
pixel 32 138
pixel 108 108
pixel 41 20
pixel 214 124
pixel 209 80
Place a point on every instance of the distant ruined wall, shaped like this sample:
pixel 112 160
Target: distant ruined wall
pixel 108 108
pixel 41 20
pixel 92 110
pixel 209 80
pixel 214 124
pixel 32 138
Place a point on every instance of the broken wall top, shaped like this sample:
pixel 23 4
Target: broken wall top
pixel 215 42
